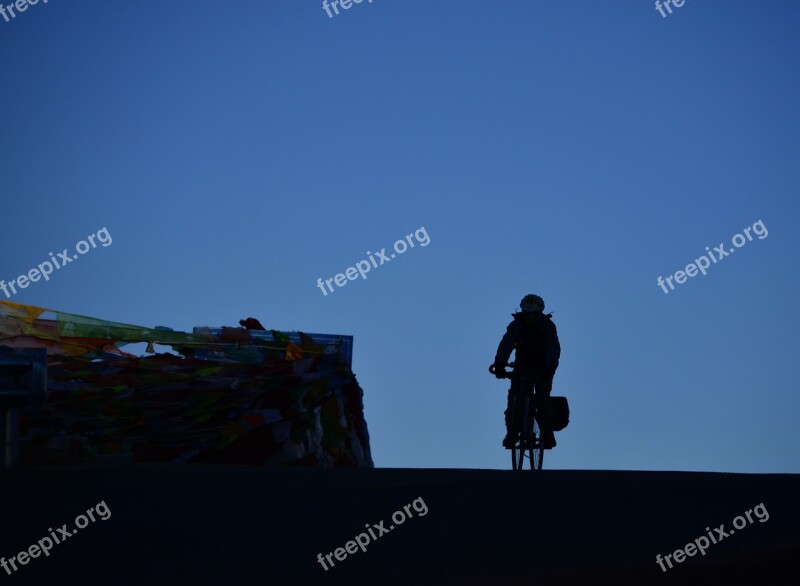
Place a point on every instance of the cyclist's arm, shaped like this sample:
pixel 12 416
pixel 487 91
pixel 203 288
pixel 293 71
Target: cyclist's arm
pixel 507 344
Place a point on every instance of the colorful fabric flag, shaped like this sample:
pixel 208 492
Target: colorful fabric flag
pixel 233 395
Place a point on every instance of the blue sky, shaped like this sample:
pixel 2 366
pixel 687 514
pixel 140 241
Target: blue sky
pixel 238 152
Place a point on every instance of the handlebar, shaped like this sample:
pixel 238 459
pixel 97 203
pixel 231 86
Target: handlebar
pixel 507 374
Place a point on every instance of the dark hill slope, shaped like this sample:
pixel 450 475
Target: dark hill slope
pixel 201 524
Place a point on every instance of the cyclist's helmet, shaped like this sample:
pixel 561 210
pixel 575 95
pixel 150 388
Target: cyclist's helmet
pixel 532 303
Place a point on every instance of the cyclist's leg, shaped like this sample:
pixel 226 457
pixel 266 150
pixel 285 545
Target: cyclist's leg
pixel 514 414
pixel 510 415
pixel 524 388
pixel 543 387
pixel 507 414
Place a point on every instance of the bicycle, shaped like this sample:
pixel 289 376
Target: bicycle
pixel 527 440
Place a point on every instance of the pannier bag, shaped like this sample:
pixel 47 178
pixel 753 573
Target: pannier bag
pixel 560 412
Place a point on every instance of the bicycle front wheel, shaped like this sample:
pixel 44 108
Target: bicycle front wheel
pixel 536 453
pixel 517 456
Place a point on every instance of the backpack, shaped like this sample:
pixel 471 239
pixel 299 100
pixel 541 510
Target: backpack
pixel 560 407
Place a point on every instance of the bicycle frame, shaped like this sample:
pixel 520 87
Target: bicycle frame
pixel 527 438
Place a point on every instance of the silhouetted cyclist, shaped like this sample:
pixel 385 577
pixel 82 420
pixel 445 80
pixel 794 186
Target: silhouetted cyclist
pixel 532 334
